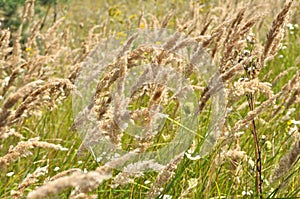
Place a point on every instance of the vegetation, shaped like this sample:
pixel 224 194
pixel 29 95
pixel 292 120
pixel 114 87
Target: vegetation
pixel 252 57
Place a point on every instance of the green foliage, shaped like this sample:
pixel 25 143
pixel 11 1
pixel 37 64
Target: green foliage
pixel 9 17
pixel 11 11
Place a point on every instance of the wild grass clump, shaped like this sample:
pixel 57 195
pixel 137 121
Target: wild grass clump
pixel 253 152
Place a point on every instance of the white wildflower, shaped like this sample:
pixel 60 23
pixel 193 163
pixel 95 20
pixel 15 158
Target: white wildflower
pixel 247 193
pixel 98 159
pixel 5 81
pixel 166 197
pixel 64 149
pixel 295 122
pixel 189 156
pixel 251 163
pixel 9 174
pixel 290 26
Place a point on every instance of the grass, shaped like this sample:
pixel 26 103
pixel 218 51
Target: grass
pixel 55 161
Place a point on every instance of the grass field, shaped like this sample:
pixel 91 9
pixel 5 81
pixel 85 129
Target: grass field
pixel 67 117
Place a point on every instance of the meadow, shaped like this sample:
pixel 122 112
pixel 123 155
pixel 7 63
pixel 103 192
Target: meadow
pixel 215 112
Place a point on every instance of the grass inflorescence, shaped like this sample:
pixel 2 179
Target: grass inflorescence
pixel 251 51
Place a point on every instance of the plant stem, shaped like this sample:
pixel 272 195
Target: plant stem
pixel 258 163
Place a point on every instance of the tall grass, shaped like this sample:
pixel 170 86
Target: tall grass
pixel 255 47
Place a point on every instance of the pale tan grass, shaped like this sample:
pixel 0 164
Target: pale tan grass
pixel 163 177
pixel 287 162
pixel 275 34
pixel 256 112
pixel 22 149
pixel 85 182
pixel 29 180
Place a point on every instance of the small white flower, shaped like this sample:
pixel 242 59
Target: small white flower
pixel 189 156
pixel 99 159
pixel 56 168
pixel 246 52
pixel 251 37
pixel 251 163
pixel 22 70
pixel 64 149
pixel 290 26
pixel 147 182
pixel 295 122
pixel 280 56
pixel 247 193
pixel 5 81
pixel 166 197
pixel 9 174
pixel 229 110
pixel 79 162
pixel 25 113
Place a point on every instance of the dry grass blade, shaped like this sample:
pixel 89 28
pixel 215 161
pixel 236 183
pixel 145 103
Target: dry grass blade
pixel 287 161
pixel 275 34
pixel 29 180
pixel 22 150
pixel 163 177
pixel 84 181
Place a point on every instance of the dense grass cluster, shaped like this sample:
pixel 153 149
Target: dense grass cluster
pixel 256 144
